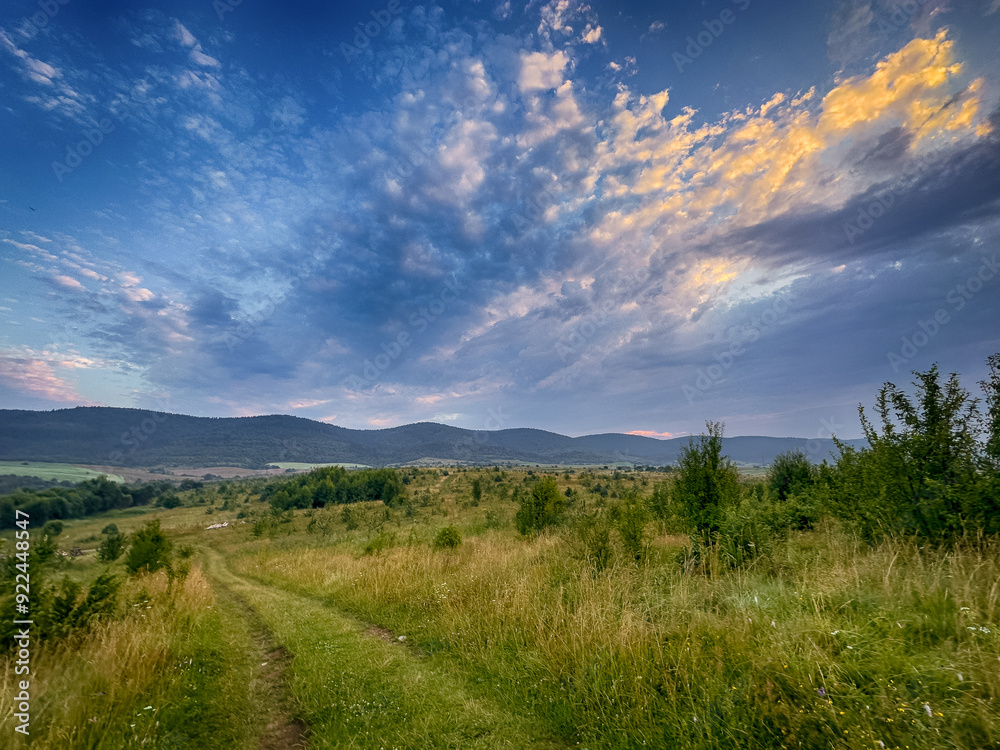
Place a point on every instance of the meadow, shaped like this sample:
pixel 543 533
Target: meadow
pixel 362 628
pixel 57 471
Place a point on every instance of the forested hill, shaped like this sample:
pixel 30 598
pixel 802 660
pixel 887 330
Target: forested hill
pixel 134 437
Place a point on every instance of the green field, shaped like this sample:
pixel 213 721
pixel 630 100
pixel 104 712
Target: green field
pixel 334 628
pixel 60 472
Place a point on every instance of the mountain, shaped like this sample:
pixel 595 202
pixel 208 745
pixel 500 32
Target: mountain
pixel 111 436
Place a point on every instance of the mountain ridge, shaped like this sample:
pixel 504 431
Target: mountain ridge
pixel 129 437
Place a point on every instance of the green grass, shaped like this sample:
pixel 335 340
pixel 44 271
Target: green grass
pixel 172 673
pixel 361 690
pixel 519 642
pixel 60 472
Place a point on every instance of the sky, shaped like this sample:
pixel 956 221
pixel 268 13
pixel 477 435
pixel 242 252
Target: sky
pixel 614 217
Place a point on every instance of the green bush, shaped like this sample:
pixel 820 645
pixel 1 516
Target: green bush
pixel 790 472
pixel 706 483
pixel 631 524
pixel 112 546
pixel 544 506
pixel 448 538
pixel 925 472
pixel 150 550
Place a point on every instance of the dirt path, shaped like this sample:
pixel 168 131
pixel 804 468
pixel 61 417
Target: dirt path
pixel 358 685
pixel 283 731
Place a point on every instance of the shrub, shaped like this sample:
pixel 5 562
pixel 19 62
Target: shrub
pixel 544 506
pixel 790 472
pixel 631 525
pixel 593 536
pixel 448 538
pixel 112 546
pixel 169 501
pixel 706 483
pixel 150 550
pixel 382 541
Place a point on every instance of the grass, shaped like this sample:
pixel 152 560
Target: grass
pixel 171 673
pixel 60 472
pixel 518 641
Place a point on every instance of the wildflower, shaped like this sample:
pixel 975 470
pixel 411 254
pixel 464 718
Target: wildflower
pixel 821 691
pixel 927 709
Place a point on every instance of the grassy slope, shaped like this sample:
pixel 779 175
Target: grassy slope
pixel 515 642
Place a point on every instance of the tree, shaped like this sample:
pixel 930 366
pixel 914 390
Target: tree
pixel 926 471
pixel 112 546
pixel 150 549
pixel 542 507
pixel 790 472
pixel 706 481
pixel 991 392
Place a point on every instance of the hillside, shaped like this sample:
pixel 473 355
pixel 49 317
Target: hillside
pixel 135 437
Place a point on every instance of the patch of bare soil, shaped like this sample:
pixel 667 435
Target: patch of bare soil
pixel 374 631
pixel 282 731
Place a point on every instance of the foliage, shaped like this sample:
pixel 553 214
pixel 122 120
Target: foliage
pixel 706 482
pixel 789 473
pixel 112 545
pixel 448 537
pixel 334 485
pixel 542 507
pixel 150 550
pixel 169 501
pixel 86 498
pixel 925 473
pixel 631 524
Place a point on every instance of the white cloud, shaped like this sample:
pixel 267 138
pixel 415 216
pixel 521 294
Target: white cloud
pixel 541 71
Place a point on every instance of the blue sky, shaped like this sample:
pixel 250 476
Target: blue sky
pixel 626 217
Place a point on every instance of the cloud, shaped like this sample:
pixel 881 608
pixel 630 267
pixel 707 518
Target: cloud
pixel 651 433
pixel 541 71
pixel 33 373
pixel 182 35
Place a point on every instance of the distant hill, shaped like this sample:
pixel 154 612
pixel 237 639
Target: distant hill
pixel 111 436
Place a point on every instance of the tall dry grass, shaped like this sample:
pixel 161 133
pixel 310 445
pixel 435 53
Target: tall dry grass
pixel 827 642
